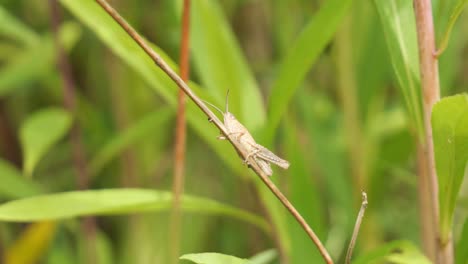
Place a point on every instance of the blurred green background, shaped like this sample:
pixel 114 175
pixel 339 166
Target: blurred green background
pixel 332 86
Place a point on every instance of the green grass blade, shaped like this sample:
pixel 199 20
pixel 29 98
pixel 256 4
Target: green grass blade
pixel 450 135
pixel 213 258
pixel 398 252
pixel 148 125
pixel 114 37
pixel 15 29
pixel 461 254
pixel 302 55
pixel 305 196
pixel 398 23
pixel 111 202
pixel 221 65
pixel 453 18
pixel 14 184
pixel 34 62
pixel 264 257
pixel 40 132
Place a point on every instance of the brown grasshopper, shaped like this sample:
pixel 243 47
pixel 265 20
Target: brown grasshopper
pixel 262 156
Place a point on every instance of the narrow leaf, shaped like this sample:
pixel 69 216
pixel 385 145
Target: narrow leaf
pixel 40 132
pixel 113 36
pixel 453 18
pixel 34 62
pixel 213 258
pixel 399 27
pixel 142 128
pixel 221 65
pixel 460 251
pixel 398 252
pixel 32 244
pixel 312 41
pixel 264 257
pixel 14 184
pixel 450 135
pixel 113 201
pixel 15 29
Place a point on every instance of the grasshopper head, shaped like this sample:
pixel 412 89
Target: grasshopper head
pixel 228 117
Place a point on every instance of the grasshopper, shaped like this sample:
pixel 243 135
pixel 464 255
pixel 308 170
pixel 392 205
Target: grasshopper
pixel 261 155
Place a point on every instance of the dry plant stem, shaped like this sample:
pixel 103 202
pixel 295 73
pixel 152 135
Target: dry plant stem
pixel 180 139
pixel 213 118
pixel 357 226
pixel 431 94
pixel 87 224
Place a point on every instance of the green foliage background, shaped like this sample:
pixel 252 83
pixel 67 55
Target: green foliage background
pixel 333 86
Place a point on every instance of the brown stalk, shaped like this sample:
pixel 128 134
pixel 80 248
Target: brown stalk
pixel 357 226
pixel 180 138
pixel 428 65
pixel 88 224
pixel 213 118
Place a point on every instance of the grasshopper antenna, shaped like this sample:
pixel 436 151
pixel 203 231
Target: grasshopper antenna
pixel 227 101
pixel 214 106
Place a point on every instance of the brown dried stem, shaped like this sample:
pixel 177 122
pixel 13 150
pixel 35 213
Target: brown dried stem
pixel 213 118
pixel 431 94
pixel 69 100
pixel 180 138
pixel 357 226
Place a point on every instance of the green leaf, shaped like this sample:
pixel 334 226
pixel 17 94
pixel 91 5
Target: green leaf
pixel 462 245
pixel 90 13
pixel 221 65
pixel 40 132
pixel 142 128
pixel 15 29
pixel 450 135
pixel 13 184
pixel 397 252
pixel 453 18
pixel 305 195
pixel 113 201
pixel 34 62
pixel 398 23
pixel 303 54
pixel 264 257
pixel 213 258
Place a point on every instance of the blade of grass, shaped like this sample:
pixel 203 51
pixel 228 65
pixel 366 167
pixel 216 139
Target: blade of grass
pixel 119 42
pixel 34 62
pixel 221 65
pixel 14 28
pixel 453 18
pixel 14 184
pixel 136 132
pixel 111 202
pixel 301 56
pixel 40 132
pixel 398 23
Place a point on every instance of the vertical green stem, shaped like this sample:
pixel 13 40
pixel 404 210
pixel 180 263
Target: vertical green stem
pixel 431 93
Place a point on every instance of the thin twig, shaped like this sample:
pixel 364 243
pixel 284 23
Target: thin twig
pixel 213 118
pixel 69 100
pixel 357 226
pixel 429 71
pixel 180 138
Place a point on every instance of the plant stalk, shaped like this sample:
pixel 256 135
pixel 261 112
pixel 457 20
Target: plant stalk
pixel 180 139
pixel 214 119
pixel 429 71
